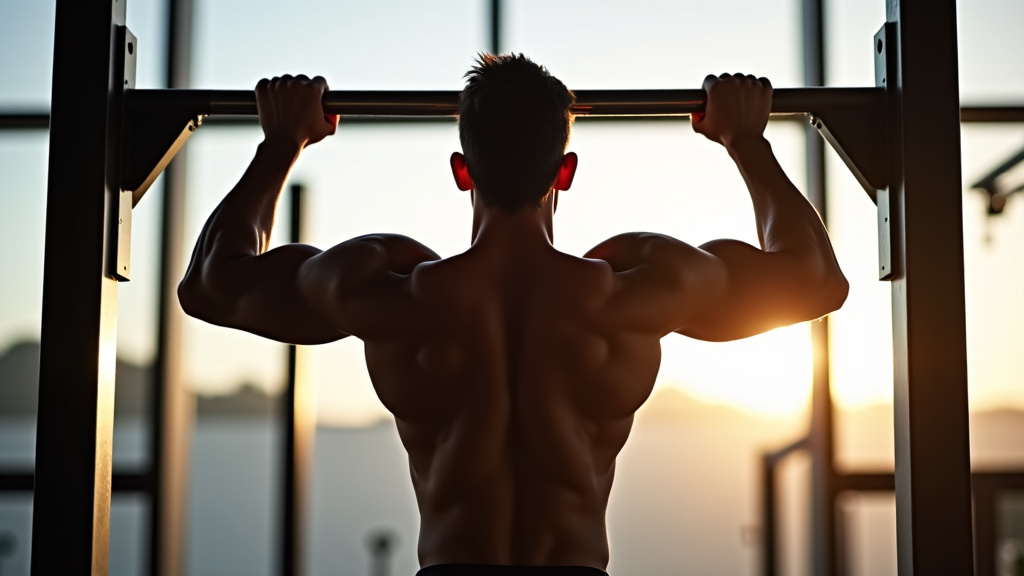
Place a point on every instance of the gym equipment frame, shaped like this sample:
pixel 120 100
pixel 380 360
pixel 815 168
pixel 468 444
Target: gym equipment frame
pixel 108 142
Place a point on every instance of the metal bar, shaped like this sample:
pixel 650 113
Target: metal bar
pixel 990 114
pixel 25 121
pixel 769 522
pixel 297 435
pixel 781 453
pixel 173 407
pixel 121 482
pixel 445 103
pixel 71 503
pixel 933 482
pixel 984 528
pixel 986 488
pixel 495 27
pixel 41 120
pixel 16 481
pixel 820 438
pixel 989 179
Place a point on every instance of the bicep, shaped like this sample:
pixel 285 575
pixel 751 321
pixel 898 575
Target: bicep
pixel 260 294
pixel 760 291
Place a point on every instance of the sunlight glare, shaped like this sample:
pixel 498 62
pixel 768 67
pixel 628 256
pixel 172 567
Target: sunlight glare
pixel 769 374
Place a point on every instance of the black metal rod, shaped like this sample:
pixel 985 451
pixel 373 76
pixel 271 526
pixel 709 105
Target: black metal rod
pixel 769 538
pixel 74 426
pixel 296 438
pixel 445 103
pixel 121 482
pixel 172 406
pixel 41 120
pixel 991 114
pixel 989 179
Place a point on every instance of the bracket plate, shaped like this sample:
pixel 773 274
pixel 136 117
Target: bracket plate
pixel 154 131
pixel 121 261
pixel 886 63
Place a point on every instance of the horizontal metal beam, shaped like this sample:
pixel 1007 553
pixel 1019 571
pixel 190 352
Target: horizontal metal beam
pixel 991 114
pixel 24 121
pixel 41 120
pixel 446 103
pixel 122 482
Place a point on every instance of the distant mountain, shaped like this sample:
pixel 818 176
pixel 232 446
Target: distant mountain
pixel 19 383
pixel 866 433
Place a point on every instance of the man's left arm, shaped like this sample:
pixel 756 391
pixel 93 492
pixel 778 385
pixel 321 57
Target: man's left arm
pixel 232 280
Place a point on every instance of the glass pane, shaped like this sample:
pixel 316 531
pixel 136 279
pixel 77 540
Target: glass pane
pixel 1010 534
pixel 22 213
pixel 129 534
pixel 233 487
pixel 867 528
pixel 991 68
pixel 988 39
pixel 26 53
pixel 235 469
pixel 993 251
pixel 657 43
pixel 26 50
pixel 15 534
pixel 387 45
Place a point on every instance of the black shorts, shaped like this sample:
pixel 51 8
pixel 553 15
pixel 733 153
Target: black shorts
pixel 492 570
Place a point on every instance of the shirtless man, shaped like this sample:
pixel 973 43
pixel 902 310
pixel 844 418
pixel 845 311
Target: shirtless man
pixel 513 370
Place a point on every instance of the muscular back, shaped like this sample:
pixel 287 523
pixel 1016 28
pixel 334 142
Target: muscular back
pixel 513 389
pixel 513 370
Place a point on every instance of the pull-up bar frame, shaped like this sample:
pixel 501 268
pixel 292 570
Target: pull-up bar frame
pixel 159 122
pixel 107 141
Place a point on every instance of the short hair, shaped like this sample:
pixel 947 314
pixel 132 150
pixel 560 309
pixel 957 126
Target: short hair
pixel 514 122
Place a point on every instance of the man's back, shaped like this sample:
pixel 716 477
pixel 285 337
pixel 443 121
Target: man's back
pixel 513 370
pixel 513 392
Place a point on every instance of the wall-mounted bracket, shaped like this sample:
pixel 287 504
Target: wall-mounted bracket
pixel 886 66
pixel 120 259
pixel 858 136
pixel 155 129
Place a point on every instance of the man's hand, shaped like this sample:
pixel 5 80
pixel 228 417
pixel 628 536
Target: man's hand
pixel 738 106
pixel 291 110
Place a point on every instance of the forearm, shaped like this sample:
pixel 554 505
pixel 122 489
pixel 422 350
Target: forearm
pixel 242 223
pixel 786 221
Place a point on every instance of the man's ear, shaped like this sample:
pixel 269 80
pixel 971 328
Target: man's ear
pixel 566 172
pixel 460 172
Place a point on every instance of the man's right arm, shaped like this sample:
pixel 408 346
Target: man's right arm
pixel 795 275
pixel 727 289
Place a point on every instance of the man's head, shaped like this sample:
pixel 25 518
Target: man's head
pixel 514 122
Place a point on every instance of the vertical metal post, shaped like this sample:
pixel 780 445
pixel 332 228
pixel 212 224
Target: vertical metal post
pixel 71 506
pixel 172 406
pixel 298 429
pixel 769 536
pixel 933 483
pixel 823 522
pixel 495 27
pixel 985 528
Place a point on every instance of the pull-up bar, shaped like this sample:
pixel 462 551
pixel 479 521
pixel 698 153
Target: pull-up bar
pixel 446 103
pixel 158 122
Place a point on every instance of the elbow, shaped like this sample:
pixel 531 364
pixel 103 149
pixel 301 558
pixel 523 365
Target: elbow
pixel 833 291
pixel 194 299
pixel 189 299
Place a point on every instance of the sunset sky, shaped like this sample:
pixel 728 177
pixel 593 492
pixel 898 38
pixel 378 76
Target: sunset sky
pixel 637 176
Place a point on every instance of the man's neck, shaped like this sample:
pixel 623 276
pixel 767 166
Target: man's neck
pixel 527 227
